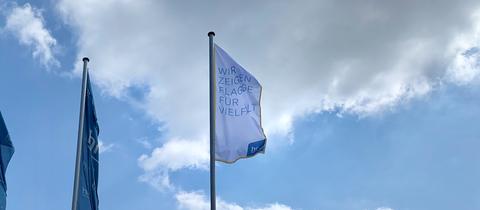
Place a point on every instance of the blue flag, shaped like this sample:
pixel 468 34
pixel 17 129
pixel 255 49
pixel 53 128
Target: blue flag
pixel 6 152
pixel 239 133
pixel 87 195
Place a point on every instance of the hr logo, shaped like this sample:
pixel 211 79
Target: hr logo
pixel 253 149
pixel 92 143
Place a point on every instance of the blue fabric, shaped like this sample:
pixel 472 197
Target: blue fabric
pixel 6 153
pixel 256 147
pixel 87 195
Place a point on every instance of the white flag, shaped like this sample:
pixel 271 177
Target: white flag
pixel 239 133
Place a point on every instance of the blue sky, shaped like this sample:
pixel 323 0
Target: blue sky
pixel 367 106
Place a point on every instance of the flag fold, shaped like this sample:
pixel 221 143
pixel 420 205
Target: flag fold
pixel 6 153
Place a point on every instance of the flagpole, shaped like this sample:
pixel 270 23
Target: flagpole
pixel 213 81
pixel 80 135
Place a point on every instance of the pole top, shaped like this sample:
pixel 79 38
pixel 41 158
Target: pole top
pixel 211 33
pixel 85 59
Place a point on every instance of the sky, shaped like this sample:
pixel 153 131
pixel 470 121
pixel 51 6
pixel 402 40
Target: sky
pixel 367 105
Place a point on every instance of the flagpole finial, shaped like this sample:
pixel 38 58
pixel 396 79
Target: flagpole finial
pixel 211 33
pixel 85 59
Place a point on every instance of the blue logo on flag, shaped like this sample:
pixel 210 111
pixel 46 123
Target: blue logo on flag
pixel 256 147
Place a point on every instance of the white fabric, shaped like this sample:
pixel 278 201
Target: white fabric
pixel 239 132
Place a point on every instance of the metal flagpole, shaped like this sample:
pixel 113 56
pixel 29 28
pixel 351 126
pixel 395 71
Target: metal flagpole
pixel 213 81
pixel 80 134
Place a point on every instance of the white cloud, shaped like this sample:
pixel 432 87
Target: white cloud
pixel 198 201
pixel 184 152
pixel 192 200
pixel 145 143
pixel 465 66
pixel 275 206
pixel 172 156
pixel 351 56
pixel 384 208
pixel 105 147
pixel 159 179
pixel 27 24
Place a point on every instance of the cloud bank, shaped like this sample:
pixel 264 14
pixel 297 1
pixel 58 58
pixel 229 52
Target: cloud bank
pixel 172 156
pixel 104 147
pixel 26 23
pixel 198 201
pixel 346 56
